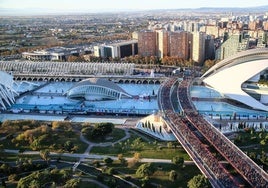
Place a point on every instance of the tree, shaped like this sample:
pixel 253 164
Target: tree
pixel 65 174
pixel 36 144
pixel 169 145
pixel 72 183
pixel 173 175
pixel 263 142
pixel 199 181
pixel 13 177
pixel 101 130
pixel 68 145
pixel 137 157
pixel 137 144
pixel 108 160
pixel 121 159
pixel 44 154
pixel 144 170
pixel 5 168
pixel 110 171
pixel 179 161
pixel 34 184
pixel 145 182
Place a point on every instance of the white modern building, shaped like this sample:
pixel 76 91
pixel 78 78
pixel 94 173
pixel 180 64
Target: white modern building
pixel 238 76
pixel 52 54
pixel 97 89
pixel 7 93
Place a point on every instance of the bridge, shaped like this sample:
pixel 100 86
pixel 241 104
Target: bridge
pixel 198 136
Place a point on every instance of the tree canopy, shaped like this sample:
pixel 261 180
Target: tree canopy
pixel 179 161
pixel 146 169
pixel 199 181
pixel 98 131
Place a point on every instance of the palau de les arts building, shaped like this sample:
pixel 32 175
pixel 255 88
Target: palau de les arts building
pixel 237 78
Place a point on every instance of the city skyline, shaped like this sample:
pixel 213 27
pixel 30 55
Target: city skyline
pixel 31 6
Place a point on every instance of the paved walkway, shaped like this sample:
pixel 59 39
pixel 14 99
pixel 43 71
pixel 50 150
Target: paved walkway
pixel 95 182
pixel 105 144
pixel 86 156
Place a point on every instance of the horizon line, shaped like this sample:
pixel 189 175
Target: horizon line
pixel 33 11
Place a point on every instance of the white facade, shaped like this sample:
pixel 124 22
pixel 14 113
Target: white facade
pixel 66 68
pixel 96 89
pixel 228 76
pixel 7 93
pixel 198 51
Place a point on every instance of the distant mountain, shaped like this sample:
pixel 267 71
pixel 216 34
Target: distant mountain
pixel 43 11
pixel 233 9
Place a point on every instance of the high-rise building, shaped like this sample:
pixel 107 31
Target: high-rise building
pixel 262 39
pixel 235 43
pixel 179 44
pixel 209 48
pixel 198 47
pixel 135 35
pixel 211 30
pixel 252 25
pixel 162 43
pixel 147 43
pixel 265 26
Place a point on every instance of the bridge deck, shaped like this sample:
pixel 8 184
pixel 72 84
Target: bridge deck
pixel 251 172
pixel 205 160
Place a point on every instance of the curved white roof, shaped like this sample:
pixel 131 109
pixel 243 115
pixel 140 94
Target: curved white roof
pixel 89 87
pixel 7 93
pixel 228 75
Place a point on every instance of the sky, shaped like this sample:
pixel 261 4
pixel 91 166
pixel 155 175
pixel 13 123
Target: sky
pixel 101 5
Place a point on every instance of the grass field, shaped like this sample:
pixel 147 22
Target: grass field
pixel 156 149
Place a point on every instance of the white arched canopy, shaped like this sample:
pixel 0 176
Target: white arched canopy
pixel 227 78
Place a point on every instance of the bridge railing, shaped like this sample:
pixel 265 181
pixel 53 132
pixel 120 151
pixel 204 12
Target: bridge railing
pixel 208 164
pixel 225 146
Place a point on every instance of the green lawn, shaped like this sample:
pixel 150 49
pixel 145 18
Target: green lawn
pixel 161 175
pixel 8 157
pixel 156 149
pixel 117 134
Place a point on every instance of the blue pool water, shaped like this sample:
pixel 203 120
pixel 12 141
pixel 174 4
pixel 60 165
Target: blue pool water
pixel 204 92
pixel 220 109
pixel 51 99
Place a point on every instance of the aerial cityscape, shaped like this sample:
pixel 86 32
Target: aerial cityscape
pixel 133 94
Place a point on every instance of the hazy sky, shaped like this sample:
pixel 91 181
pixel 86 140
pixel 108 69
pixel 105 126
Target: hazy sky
pixel 125 4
